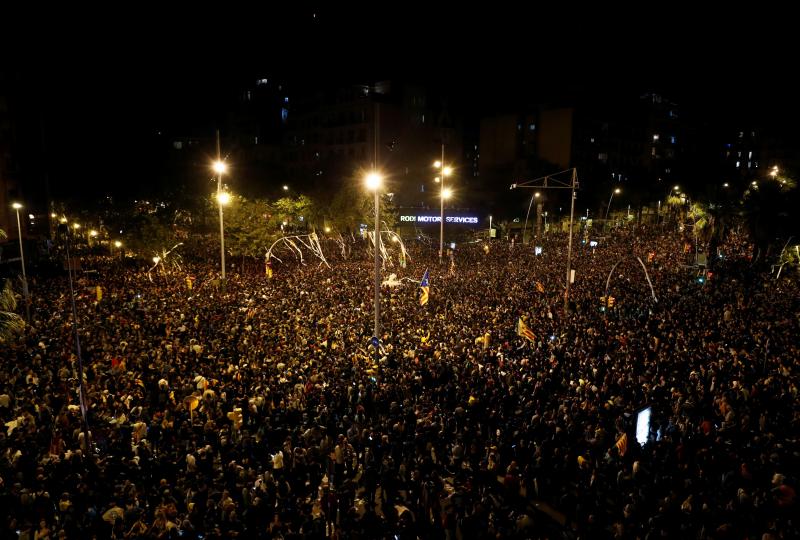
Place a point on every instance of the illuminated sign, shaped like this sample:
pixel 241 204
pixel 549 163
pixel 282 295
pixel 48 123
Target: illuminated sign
pixel 437 219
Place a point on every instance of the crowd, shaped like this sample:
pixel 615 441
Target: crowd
pixel 260 410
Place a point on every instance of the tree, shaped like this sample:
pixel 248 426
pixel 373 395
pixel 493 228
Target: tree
pixel 766 209
pixel 10 322
pixel 353 205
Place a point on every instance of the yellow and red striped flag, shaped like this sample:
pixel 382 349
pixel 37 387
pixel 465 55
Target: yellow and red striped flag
pixel 524 331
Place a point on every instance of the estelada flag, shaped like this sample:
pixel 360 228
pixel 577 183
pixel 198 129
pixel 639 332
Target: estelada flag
pixel 524 331
pixel 424 288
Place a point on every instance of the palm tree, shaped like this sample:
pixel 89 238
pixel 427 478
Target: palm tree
pixel 10 322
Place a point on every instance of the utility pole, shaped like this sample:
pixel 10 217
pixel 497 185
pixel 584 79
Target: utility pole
pixel 550 182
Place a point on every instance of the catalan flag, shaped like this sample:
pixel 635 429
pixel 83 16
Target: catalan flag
pixel 622 444
pixel 424 288
pixel 524 331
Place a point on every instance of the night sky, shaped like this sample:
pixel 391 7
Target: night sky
pixel 103 90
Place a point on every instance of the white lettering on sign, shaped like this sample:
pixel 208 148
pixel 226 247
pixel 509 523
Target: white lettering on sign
pixel 437 219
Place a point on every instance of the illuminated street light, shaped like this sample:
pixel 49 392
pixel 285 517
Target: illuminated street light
pixel 223 197
pixel 76 226
pixel 373 182
pixel 117 244
pixel 615 192
pixel 16 207
pixel 447 193
pixel 444 193
pixel 285 188
pixel 327 229
pixel 92 233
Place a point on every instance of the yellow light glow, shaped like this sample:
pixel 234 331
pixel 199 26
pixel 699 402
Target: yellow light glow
pixel 373 181
pixel 92 233
pixel 285 188
pixel 617 191
pixel 537 194
pixel 16 206
pixel 63 220
pixel 223 198
pixel 117 244
pixel 436 179
pixel 676 188
pixel 447 171
pixel 156 259
pixel 220 167
pixel 76 225
pixel 327 229
pixel 53 216
pixel 447 193
pixel 437 164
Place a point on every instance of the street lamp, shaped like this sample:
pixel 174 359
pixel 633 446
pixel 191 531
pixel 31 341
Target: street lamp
pixel 615 192
pixel 17 207
pixel 285 188
pixel 223 198
pixel 445 193
pixel 373 182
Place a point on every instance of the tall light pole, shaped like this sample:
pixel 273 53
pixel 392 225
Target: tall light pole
pixel 222 199
pixel 373 182
pixel 615 192
pixel 25 293
pixel 444 194
pixel 550 182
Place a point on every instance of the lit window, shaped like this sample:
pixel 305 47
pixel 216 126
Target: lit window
pixel 653 151
pixel 655 137
pixel 261 81
pixel 741 134
pixel 423 118
pixel 672 139
pixel 749 155
pixel 591 140
pixel 749 164
pixel 519 127
pixel 532 127
pixel 284 114
pixel 737 164
pixel 286 100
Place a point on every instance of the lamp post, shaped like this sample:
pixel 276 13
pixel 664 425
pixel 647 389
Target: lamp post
pixel 373 182
pixel 615 192
pixel 444 194
pixel 222 199
pixel 25 293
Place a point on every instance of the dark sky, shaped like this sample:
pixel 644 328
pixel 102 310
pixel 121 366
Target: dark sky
pixel 102 85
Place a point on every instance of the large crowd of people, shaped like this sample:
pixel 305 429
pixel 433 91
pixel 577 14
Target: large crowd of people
pixel 260 410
